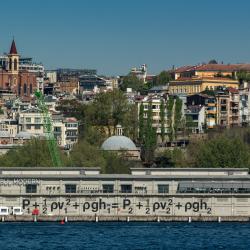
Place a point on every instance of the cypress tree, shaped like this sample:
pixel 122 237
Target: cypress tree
pixel 141 123
pixel 162 120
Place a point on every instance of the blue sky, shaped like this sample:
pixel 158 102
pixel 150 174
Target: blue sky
pixel 114 35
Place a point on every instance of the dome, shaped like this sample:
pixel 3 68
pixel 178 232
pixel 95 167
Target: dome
pixel 118 143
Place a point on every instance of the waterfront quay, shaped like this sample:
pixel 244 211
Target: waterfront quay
pixel 147 194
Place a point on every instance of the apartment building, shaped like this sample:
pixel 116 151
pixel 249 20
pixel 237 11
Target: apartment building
pixel 197 84
pixel 65 129
pixel 155 102
pixel 244 105
pixel 210 108
pixel 227 101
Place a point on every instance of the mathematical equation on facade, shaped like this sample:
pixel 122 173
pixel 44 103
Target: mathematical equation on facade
pixel 125 205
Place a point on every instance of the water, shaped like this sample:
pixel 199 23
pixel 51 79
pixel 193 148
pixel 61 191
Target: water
pixel 125 235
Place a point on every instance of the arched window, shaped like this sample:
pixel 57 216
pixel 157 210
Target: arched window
pixel 19 89
pixel 25 88
pixel 31 88
pixel 10 64
pixel 15 64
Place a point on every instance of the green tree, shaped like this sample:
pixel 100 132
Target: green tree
pixel 178 114
pixel 33 154
pixel 172 158
pixel 141 123
pixel 243 76
pixel 131 81
pixel 162 120
pixel 150 138
pixel 220 152
pixel 170 105
pixel 130 122
pixel 163 78
pixel 109 110
pixel 85 155
pixel 116 164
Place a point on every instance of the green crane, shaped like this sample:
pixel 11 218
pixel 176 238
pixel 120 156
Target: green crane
pixel 47 124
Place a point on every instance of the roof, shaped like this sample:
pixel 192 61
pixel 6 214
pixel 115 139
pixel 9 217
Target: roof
pixel 24 135
pixel 214 67
pixel 223 67
pixel 184 69
pixel 13 49
pixel 233 90
pixel 116 143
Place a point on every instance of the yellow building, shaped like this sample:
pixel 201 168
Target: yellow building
pixel 196 85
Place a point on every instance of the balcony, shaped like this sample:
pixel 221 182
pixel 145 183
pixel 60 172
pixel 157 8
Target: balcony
pixel 211 112
pixel 211 104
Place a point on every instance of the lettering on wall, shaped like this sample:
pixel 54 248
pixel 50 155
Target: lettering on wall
pixel 125 206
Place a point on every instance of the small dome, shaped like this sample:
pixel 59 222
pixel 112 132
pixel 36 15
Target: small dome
pixel 118 143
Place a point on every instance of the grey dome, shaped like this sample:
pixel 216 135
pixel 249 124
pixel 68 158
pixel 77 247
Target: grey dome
pixel 118 143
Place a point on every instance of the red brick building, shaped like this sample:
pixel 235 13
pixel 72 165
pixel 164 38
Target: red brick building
pixel 21 83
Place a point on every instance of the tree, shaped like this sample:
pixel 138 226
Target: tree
pixel 178 114
pixel 243 76
pixel 33 154
pixel 162 120
pixel 109 110
pixel 171 158
pixel 130 122
pixel 131 81
pixel 141 123
pixel 220 152
pixel 150 138
pixel 163 78
pixel 170 105
pixel 85 155
pixel 116 164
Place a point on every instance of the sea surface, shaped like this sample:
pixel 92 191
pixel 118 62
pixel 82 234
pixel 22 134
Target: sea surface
pixel 132 235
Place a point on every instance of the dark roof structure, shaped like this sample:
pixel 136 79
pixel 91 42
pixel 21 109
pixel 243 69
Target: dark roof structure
pixel 13 49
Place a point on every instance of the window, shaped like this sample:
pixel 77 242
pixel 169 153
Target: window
pixel 70 188
pixel 37 120
pixel 163 188
pixel 31 89
pixel 31 188
pixel 28 119
pixel 108 188
pixel 15 64
pixel 126 188
pixel 25 88
pixel 10 64
pixel 28 126
pixel 37 127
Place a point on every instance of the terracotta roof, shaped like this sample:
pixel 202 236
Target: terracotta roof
pixel 184 69
pixel 223 67
pixel 13 49
pixel 233 90
pixel 214 67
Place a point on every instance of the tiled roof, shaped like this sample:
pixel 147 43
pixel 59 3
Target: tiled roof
pixel 223 67
pixel 184 69
pixel 214 67
pixel 233 90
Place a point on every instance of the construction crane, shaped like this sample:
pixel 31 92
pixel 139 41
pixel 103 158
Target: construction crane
pixel 48 128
